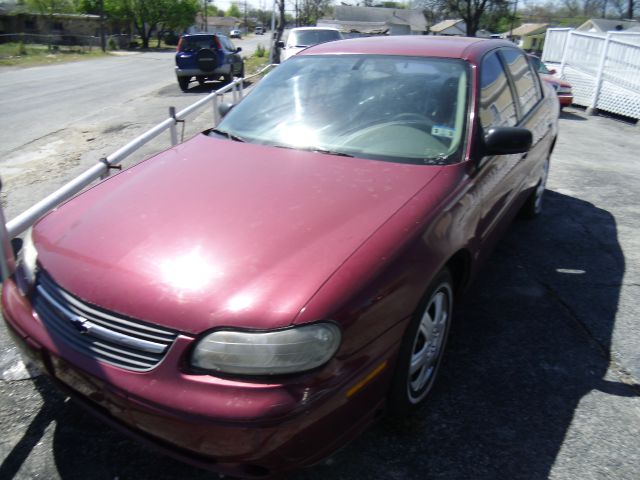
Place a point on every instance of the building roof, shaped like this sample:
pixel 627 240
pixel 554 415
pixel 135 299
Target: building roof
pixel 445 24
pixel 218 21
pixel 529 29
pixel 369 28
pixel 393 16
pixel 602 25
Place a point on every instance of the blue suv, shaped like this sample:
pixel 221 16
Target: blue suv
pixel 207 56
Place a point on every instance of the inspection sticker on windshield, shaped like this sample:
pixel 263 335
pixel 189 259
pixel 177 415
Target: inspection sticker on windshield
pixel 441 131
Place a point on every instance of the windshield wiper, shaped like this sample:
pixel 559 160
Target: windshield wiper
pixel 328 152
pixel 230 136
pixel 314 149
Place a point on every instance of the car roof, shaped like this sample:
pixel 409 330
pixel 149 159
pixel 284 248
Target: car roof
pixel 202 34
pixel 411 45
pixel 298 29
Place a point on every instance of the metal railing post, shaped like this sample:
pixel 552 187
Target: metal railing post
pixel 234 90
pixel 172 128
pixel 241 88
pixel 216 114
pixel 7 261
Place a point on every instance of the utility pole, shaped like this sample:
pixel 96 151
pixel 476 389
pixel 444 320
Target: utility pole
pixel 513 19
pixel 245 16
pixel 206 20
pixel 103 40
pixel 273 33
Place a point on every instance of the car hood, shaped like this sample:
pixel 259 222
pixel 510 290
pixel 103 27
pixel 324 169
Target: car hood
pixel 220 233
pixel 290 52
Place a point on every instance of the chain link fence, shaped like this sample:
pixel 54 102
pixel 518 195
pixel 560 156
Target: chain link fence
pixel 67 42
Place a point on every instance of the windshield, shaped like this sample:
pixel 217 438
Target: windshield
pixel 393 108
pixel 306 38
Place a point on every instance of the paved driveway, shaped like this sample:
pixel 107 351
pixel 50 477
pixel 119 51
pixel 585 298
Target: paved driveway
pixel 540 380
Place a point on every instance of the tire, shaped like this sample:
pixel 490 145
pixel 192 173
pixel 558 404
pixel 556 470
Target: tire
pixel 423 346
pixel 206 60
pixel 184 83
pixel 532 207
pixel 228 77
pixel 241 75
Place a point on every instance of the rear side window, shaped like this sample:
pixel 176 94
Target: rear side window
pixel 527 87
pixel 193 44
pixel 227 43
pixel 306 38
pixel 497 108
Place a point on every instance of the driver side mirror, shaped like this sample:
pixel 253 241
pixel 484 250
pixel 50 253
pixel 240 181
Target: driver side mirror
pixel 239 49
pixel 224 108
pixel 507 140
pixel 280 44
pixel 552 71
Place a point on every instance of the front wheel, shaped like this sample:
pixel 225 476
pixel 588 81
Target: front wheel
pixel 423 346
pixel 533 205
pixel 184 83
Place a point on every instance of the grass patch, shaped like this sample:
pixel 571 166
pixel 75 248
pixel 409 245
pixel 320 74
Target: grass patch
pixel 27 55
pixel 256 61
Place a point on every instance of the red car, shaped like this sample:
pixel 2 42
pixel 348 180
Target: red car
pixel 253 298
pixel 562 88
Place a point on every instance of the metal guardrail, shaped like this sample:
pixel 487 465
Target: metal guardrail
pixel 102 169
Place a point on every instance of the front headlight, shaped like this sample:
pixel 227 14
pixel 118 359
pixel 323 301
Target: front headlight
pixel 25 274
pixel 293 350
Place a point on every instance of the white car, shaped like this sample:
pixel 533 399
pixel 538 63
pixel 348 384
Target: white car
pixel 235 34
pixel 303 37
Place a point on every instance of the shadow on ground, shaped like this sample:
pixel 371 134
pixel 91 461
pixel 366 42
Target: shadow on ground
pixel 521 356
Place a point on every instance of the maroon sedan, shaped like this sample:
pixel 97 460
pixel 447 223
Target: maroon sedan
pixel 253 298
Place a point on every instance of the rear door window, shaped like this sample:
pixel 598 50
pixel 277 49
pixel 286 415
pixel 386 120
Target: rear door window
pixel 193 44
pixel 497 107
pixel 527 86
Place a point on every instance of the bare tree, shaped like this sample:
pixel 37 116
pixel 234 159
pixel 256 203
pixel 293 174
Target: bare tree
pixel 471 11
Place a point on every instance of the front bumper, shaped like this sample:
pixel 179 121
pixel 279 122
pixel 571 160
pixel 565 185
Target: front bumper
pixel 237 428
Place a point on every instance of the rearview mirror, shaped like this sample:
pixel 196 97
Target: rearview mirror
pixel 507 140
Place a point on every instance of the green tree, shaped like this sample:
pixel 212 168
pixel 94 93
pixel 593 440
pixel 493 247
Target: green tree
pixel 49 7
pixel 179 15
pixel 233 11
pixel 311 10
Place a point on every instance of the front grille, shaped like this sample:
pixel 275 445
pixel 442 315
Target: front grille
pixel 110 337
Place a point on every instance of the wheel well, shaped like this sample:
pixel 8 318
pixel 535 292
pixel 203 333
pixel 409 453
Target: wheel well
pixel 460 266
